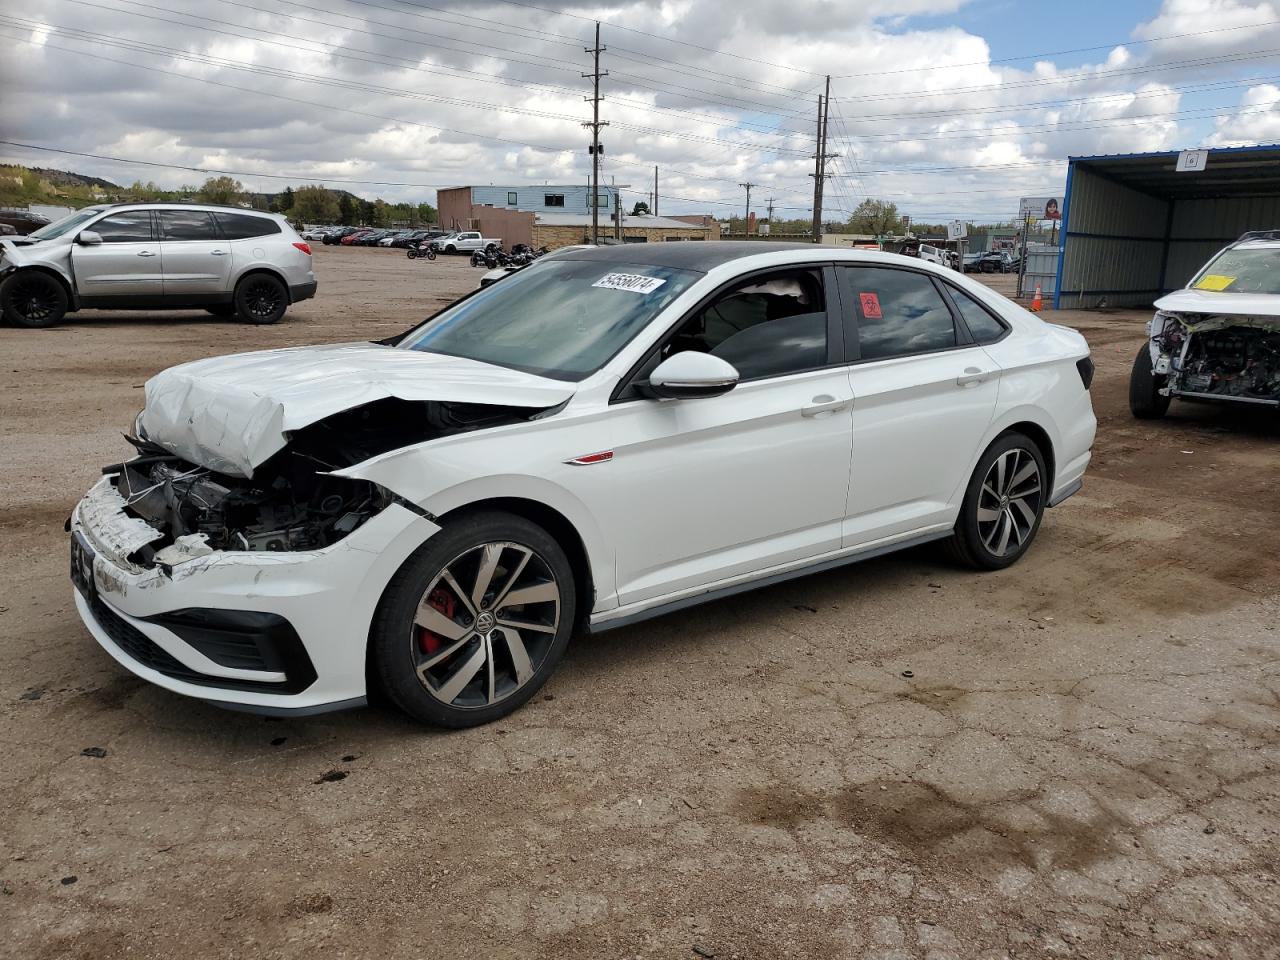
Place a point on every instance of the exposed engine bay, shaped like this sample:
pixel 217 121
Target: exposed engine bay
pixel 1230 358
pixel 292 502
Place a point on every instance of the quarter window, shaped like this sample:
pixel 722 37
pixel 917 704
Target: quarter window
pixel 187 225
pixel 242 226
pixel 900 312
pixel 984 327
pixel 130 226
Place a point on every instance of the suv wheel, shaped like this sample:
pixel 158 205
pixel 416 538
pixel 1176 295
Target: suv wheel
pixel 30 298
pixel 475 621
pixel 1145 400
pixel 1003 504
pixel 261 298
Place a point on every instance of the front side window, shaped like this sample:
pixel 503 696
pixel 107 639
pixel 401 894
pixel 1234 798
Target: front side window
pixel 65 225
pixel 187 225
pixel 767 326
pixel 899 312
pixel 242 226
pixel 563 319
pixel 130 226
pixel 981 323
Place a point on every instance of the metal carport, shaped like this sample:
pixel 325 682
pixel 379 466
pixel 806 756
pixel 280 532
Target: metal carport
pixel 1133 227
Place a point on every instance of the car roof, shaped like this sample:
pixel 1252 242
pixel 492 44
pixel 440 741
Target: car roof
pixel 170 205
pixel 699 255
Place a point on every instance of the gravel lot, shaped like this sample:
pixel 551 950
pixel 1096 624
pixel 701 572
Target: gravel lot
pixel 1083 760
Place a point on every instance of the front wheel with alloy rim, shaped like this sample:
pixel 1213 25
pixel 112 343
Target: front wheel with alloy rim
pixel 30 298
pixel 261 298
pixel 1003 504
pixel 475 621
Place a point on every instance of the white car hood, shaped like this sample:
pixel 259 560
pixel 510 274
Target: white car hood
pixel 230 414
pixel 1210 302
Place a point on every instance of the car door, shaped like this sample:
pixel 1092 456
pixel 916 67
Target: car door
pixel 197 260
pixel 924 394
pixel 713 488
pixel 125 265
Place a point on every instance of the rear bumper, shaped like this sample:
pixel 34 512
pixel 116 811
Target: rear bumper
pixel 302 291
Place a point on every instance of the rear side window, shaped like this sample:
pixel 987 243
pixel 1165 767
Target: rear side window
pixel 899 312
pixel 130 226
pixel 980 321
pixel 187 225
pixel 242 226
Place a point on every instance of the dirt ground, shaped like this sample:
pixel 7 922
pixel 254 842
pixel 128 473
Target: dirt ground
pixel 1083 759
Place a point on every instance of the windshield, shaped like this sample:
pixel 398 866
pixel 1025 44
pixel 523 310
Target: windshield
pixel 564 319
pixel 66 224
pixel 1242 270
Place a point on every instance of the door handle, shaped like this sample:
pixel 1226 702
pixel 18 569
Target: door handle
pixel 824 403
pixel 218 253
pixel 146 253
pixel 971 376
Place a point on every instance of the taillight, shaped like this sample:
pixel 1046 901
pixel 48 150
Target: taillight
pixel 1085 366
pixel 304 247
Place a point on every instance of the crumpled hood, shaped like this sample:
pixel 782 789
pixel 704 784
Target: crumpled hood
pixel 1210 302
pixel 230 414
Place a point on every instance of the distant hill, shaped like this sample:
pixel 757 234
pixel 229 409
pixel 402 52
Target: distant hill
pixel 66 178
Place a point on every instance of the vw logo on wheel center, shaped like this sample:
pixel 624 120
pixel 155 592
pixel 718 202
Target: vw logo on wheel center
pixel 485 622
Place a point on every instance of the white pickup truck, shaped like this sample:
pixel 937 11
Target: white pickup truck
pixel 467 241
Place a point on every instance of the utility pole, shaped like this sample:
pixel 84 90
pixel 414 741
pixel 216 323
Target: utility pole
pixel 820 161
pixel 595 124
pixel 746 217
pixel 769 206
pixel 654 211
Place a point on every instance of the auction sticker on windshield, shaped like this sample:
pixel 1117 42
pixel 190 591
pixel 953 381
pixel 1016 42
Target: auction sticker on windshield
pixel 1215 282
pixel 631 282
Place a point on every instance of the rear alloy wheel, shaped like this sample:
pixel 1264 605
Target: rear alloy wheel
pixel 1003 504
pixel 30 298
pixel 475 621
pixel 1146 402
pixel 261 299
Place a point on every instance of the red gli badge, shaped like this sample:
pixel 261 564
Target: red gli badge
pixel 870 306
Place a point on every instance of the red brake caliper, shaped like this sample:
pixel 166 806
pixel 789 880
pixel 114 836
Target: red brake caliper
pixel 446 603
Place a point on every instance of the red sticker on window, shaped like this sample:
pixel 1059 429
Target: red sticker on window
pixel 870 306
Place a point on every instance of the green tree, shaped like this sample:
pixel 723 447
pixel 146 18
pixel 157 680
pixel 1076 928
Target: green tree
pixel 314 204
pixel 876 217
pixel 284 202
pixel 348 209
pixel 428 214
pixel 640 208
pixel 225 190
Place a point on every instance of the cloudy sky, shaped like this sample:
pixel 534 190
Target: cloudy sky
pixel 949 108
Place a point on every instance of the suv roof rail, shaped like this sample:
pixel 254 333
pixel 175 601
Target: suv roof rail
pixel 1259 235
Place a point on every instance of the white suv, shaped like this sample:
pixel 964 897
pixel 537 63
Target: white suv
pixel 156 256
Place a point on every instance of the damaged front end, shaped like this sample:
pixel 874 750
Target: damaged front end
pixel 293 501
pixel 1216 357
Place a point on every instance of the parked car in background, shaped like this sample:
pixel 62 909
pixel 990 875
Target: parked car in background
pixel 465 241
pixel 605 436
pixel 992 261
pixel 409 238
pixel 336 235
pixel 316 234
pixel 370 239
pixel 1218 340
pixel 349 239
pixel 23 221
pixel 931 254
pixel 7 230
pixel 132 256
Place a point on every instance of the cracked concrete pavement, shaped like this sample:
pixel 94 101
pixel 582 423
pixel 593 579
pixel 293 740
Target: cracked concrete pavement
pixel 1083 762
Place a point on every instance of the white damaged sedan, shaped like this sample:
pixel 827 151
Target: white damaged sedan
pixel 605 436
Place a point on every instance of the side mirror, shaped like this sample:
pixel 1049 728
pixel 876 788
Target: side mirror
pixel 88 238
pixel 691 374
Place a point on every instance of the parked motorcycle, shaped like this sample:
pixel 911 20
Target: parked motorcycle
pixel 422 250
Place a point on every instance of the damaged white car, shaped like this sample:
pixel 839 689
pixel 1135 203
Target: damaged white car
pixel 1219 339
pixel 601 437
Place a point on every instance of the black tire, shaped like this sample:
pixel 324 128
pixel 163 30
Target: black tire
pixel 431 254
pixel 451 249
pixel 1145 400
pixel 399 644
pixel 32 299
pixel 261 299
pixel 987 266
pixel 222 310
pixel 411 253
pixel 981 548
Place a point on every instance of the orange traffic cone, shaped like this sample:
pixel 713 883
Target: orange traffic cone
pixel 1037 302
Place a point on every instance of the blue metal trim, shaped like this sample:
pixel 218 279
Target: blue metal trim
pixel 1255 148
pixel 1093 293
pixel 1062 238
pixel 1115 236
